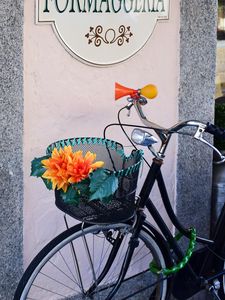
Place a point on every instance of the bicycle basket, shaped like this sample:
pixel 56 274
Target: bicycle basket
pixel 122 205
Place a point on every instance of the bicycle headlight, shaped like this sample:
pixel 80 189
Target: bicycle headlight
pixel 142 137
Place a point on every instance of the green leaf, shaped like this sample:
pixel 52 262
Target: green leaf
pixel 37 168
pixel 71 196
pixel 83 186
pixel 102 184
pixel 47 183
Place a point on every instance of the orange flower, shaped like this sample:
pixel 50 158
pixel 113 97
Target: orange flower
pixel 81 167
pixel 65 167
pixel 56 167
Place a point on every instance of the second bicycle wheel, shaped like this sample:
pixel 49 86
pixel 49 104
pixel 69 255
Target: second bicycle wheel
pixel 84 263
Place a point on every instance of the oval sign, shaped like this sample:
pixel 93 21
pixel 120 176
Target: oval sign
pixel 102 32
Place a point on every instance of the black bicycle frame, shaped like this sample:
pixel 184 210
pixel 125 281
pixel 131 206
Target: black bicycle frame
pixel 213 246
pixel 216 245
pixel 154 175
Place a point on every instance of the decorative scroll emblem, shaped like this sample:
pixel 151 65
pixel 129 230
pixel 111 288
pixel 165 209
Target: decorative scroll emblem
pixel 109 37
pixel 91 30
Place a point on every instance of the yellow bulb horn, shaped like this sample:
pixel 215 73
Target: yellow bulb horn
pixel 149 91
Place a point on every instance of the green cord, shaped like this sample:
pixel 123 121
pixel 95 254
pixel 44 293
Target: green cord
pixel 168 271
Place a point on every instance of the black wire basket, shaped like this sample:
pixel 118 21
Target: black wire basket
pixel 122 204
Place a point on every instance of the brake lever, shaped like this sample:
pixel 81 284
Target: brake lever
pixel 199 136
pixel 128 107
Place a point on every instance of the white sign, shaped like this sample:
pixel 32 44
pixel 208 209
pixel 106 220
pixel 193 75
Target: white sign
pixel 102 32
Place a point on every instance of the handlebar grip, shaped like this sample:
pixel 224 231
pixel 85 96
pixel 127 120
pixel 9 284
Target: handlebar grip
pixel 215 130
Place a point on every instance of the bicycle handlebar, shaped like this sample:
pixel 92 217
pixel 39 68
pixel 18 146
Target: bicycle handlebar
pixel 150 91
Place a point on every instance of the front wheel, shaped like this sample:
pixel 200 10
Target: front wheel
pixel 84 263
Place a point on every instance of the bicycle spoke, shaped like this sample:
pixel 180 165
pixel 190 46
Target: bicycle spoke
pixel 63 272
pixel 136 253
pixel 76 266
pixel 141 258
pixel 86 265
pixel 145 288
pixel 89 257
pixel 47 290
pixel 118 260
pixel 114 275
pixel 101 257
pixel 104 256
pixel 93 249
pixel 57 281
pixel 68 267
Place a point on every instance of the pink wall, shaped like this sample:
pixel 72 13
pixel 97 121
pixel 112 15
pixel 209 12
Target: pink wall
pixel 66 98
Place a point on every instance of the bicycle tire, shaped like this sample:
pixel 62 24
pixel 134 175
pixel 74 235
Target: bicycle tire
pixel 65 283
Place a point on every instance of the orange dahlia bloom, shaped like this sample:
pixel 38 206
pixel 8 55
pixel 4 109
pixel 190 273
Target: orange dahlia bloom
pixel 56 167
pixel 81 167
pixel 65 167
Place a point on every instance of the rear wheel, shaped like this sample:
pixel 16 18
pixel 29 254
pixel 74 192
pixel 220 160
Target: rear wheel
pixel 84 263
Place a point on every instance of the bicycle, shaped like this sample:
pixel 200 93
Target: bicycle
pixel 70 267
